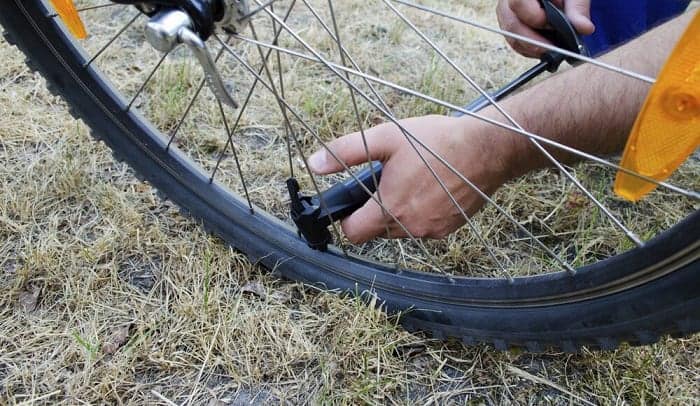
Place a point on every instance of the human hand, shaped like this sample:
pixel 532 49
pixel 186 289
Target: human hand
pixel 407 188
pixel 525 17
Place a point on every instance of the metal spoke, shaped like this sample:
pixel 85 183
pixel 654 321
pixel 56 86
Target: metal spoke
pixel 233 131
pixel 468 220
pixel 114 38
pixel 629 233
pixel 336 37
pixel 275 41
pixel 235 156
pixel 347 54
pixel 531 41
pixel 192 100
pixel 257 10
pixel 243 107
pixel 365 86
pixel 294 135
pixel 407 133
pixel 308 128
pixel 80 10
pixel 148 79
pixel 581 154
pixel 283 110
pixel 186 113
pixel 356 110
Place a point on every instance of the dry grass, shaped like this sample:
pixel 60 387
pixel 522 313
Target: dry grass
pixel 110 296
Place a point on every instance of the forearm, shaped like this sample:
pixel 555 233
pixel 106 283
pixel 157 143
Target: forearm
pixel 588 108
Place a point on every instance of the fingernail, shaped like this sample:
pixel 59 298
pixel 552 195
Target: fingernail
pixel 318 161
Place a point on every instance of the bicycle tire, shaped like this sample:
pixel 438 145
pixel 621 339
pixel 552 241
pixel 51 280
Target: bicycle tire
pixel 635 297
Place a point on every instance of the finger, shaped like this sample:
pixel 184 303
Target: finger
pixel 350 149
pixel 365 224
pixel 579 13
pixel 529 12
pixel 527 49
pixel 394 231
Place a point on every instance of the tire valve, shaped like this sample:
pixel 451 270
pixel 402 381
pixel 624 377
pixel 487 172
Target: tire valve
pixel 313 214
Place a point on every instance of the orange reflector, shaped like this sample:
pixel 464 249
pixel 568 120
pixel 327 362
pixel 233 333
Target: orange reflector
pixel 70 17
pixel 667 129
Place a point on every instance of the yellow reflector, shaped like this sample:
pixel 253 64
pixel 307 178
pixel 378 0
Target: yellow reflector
pixel 70 17
pixel 666 131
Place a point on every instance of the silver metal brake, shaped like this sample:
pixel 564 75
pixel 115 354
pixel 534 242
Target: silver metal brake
pixel 169 28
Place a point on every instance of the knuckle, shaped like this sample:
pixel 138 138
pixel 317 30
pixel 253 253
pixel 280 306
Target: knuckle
pixel 433 236
pixel 339 144
pixel 352 235
pixel 351 232
pixel 440 234
pixel 518 6
pixel 355 239
pixel 419 231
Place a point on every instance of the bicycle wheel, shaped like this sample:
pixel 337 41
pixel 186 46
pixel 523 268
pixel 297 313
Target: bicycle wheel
pixel 565 275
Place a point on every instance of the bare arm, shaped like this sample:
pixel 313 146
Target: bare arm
pixel 587 108
pixel 590 108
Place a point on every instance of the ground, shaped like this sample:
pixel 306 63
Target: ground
pixel 109 295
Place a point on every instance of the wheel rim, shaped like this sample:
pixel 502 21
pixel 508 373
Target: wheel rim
pixel 175 127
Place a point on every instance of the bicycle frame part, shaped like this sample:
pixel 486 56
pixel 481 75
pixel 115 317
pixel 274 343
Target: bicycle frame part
pixel 175 22
pixel 169 28
pixel 204 13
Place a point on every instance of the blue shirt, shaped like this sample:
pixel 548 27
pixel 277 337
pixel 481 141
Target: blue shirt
pixel 618 21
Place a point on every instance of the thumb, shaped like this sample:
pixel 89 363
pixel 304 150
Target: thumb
pixel 350 149
pixel 579 13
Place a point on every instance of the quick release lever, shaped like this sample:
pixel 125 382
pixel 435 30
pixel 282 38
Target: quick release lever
pixel 169 28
